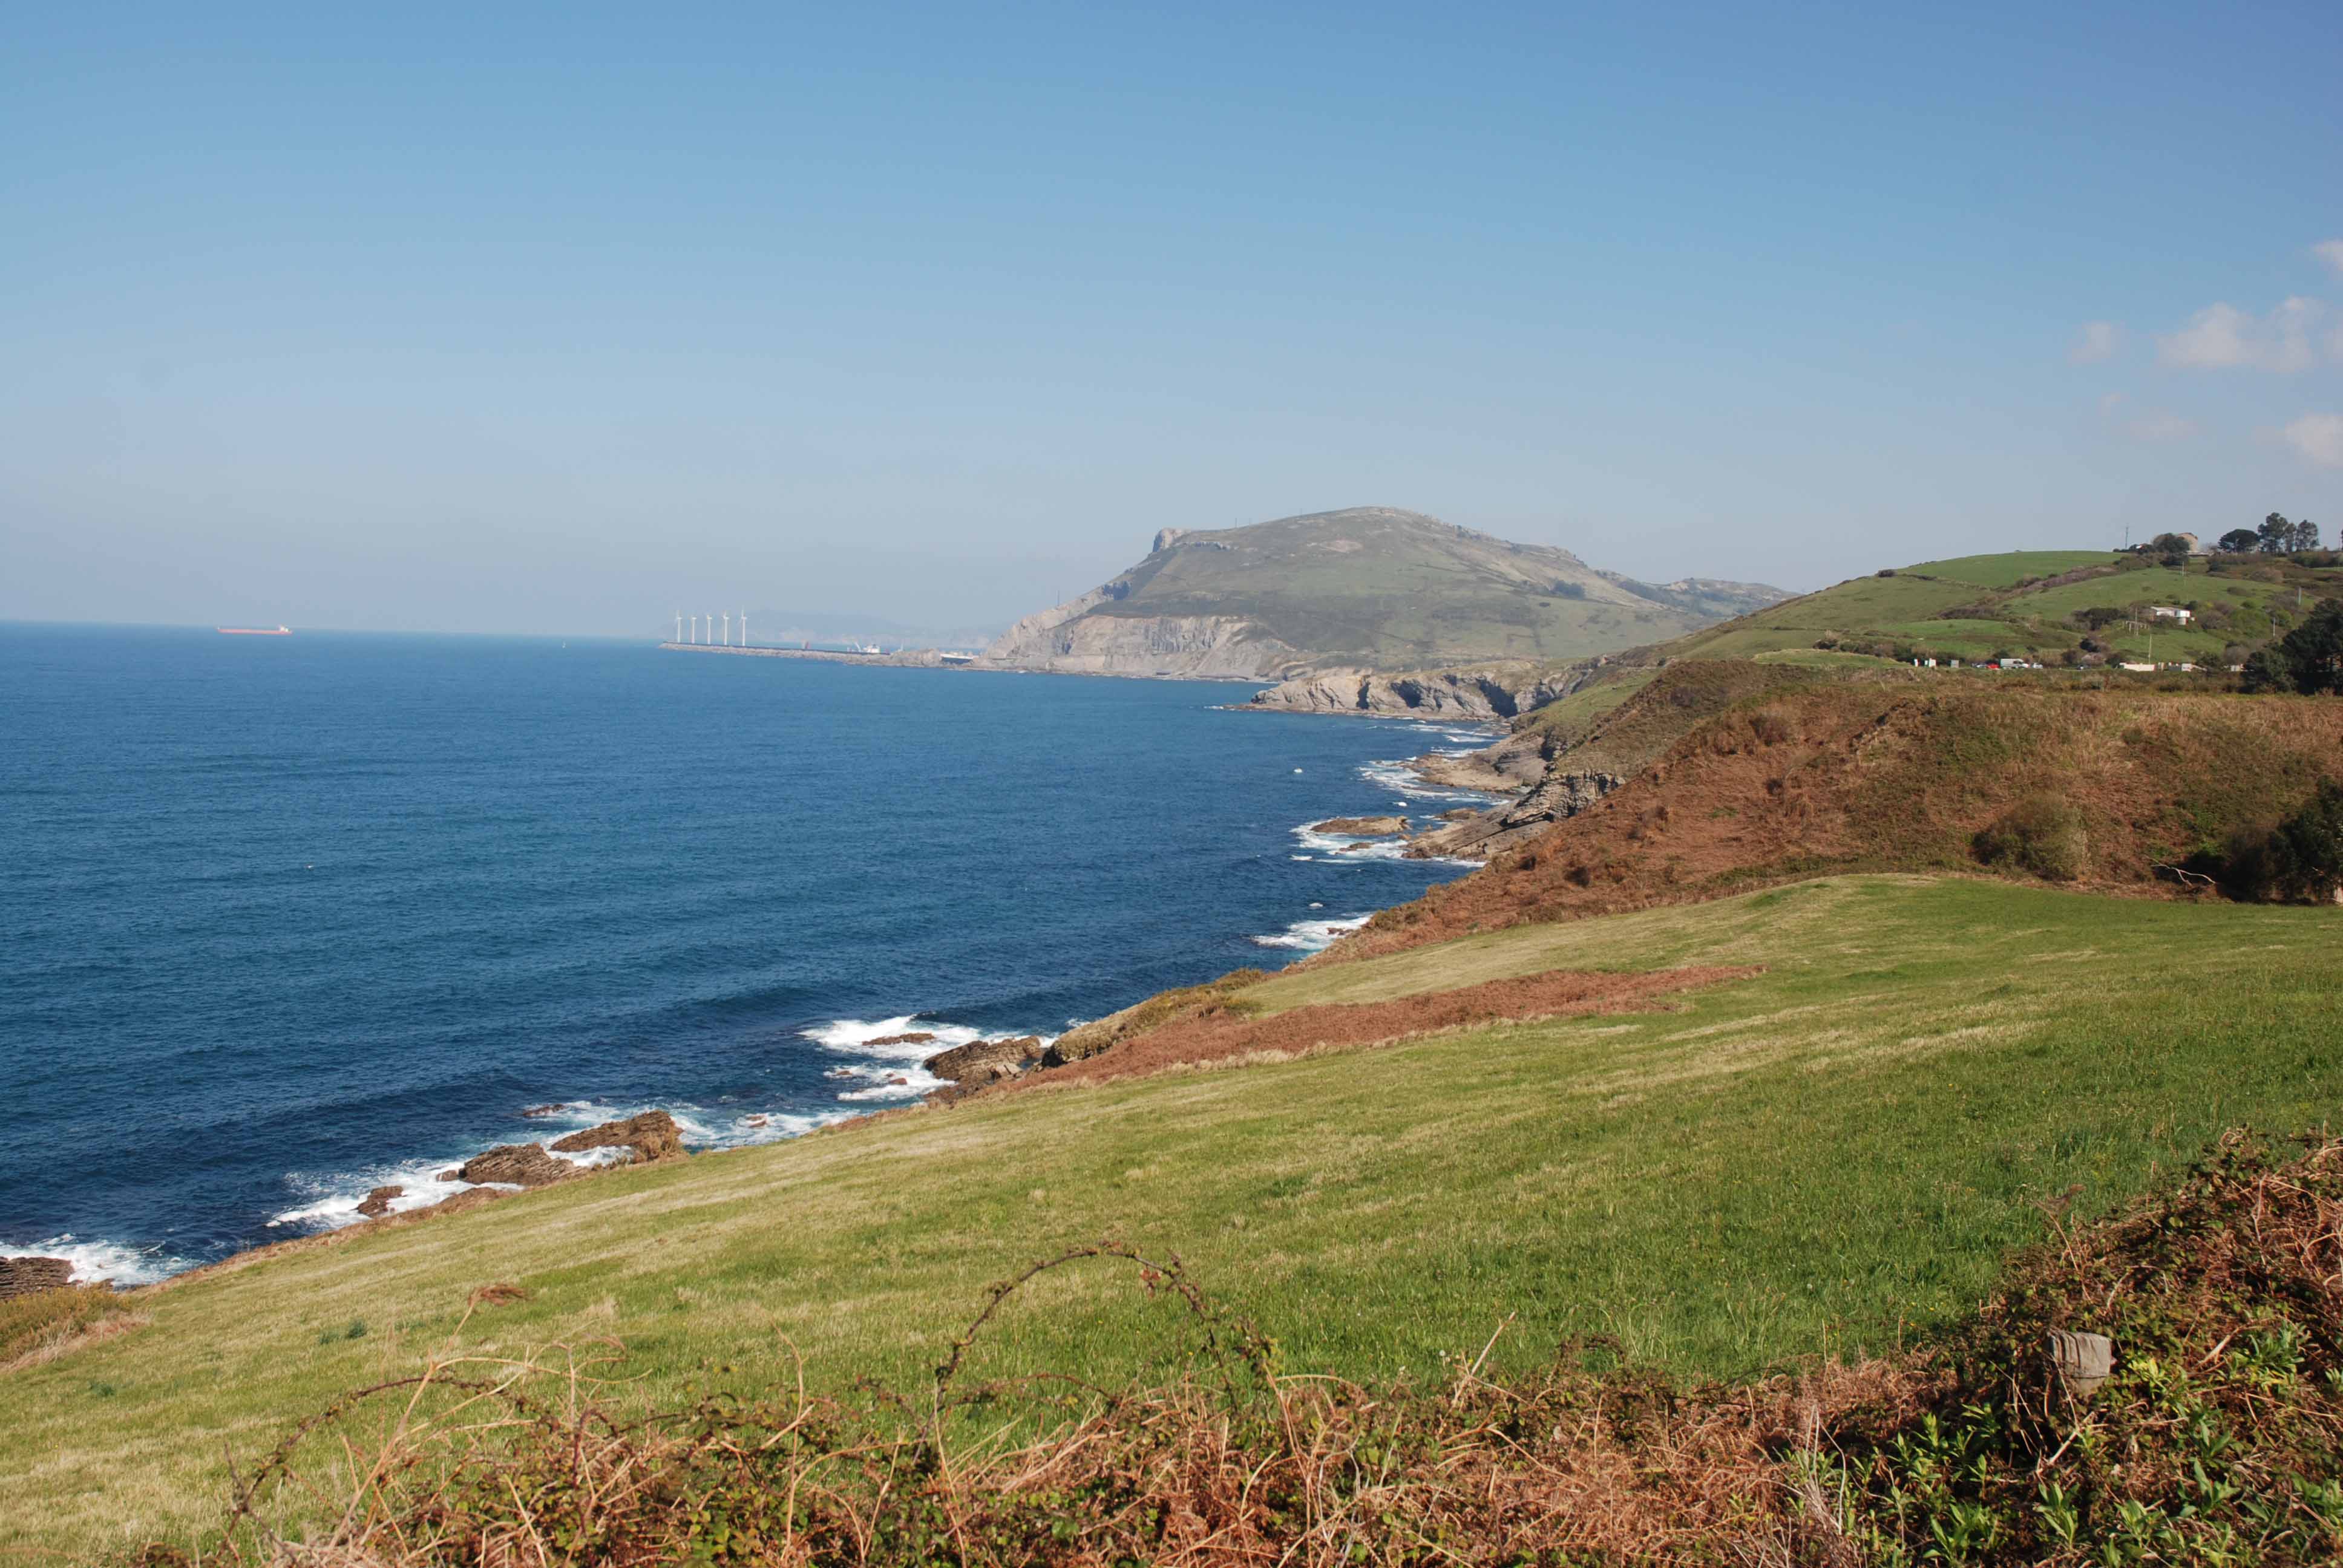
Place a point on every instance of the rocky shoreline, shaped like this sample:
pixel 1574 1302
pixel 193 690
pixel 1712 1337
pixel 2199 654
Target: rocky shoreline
pixel 650 1138
pixel 653 1136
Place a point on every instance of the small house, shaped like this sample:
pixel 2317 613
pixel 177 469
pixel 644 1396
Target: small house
pixel 2169 612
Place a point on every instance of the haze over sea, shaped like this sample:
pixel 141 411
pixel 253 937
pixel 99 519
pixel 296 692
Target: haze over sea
pixel 282 918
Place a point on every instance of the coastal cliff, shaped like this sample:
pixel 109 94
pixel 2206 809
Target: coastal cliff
pixel 1068 639
pixel 1483 693
pixel 1356 593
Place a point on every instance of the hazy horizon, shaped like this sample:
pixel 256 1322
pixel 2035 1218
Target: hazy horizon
pixel 560 322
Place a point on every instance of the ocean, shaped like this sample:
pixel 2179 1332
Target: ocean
pixel 285 919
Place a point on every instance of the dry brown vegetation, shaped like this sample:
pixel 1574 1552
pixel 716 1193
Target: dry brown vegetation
pixel 39 1327
pixel 2215 1442
pixel 1222 1031
pixel 1795 776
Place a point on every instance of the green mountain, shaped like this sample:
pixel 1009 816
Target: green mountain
pixel 1369 588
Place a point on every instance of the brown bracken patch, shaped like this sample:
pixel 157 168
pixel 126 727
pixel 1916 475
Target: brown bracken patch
pixel 1220 1034
pixel 1862 777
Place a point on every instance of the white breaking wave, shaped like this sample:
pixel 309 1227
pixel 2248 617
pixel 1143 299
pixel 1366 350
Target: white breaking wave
pixel 1341 847
pixel 1312 936
pixel 886 1074
pixel 892 1071
pixel 332 1200
pixel 108 1261
pixel 1396 776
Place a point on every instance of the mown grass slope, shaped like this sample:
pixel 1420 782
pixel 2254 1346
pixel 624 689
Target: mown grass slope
pixel 1836 1153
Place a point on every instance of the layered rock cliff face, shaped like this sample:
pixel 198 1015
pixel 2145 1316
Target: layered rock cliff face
pixel 1556 799
pixel 1484 694
pixel 1067 639
pixel 22 1276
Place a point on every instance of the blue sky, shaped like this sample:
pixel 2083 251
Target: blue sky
pixel 555 320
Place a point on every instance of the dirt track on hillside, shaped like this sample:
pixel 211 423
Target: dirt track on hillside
pixel 1219 1035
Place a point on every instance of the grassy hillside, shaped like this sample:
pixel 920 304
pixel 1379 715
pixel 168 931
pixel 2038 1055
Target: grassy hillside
pixel 2027 604
pixel 1833 1154
pixel 1372 587
pixel 1740 773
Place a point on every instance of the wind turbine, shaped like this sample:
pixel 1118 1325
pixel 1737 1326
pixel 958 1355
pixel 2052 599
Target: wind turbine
pixel 679 625
pixel 744 628
pixel 728 628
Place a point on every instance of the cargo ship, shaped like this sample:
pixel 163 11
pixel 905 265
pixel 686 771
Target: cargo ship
pixel 255 631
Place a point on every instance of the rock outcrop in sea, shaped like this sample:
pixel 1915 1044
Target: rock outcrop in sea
pixel 1362 827
pixel 653 1135
pixel 512 1165
pixel 985 1062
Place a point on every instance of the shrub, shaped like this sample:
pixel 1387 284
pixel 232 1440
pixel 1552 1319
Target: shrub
pixel 2042 835
pixel 2266 671
pixel 2301 859
pixel 42 1320
pixel 2312 654
pixel 1774 725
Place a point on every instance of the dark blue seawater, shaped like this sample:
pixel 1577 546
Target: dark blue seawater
pixel 285 918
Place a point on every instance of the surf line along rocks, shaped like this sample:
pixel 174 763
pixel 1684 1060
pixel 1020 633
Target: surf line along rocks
pixel 971 1067
pixel 648 1138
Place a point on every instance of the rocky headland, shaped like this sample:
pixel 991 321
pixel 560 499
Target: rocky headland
pixel 1345 598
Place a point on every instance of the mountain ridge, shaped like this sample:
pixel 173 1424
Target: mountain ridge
pixel 1365 588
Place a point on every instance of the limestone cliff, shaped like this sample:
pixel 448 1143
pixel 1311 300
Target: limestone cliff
pixel 1480 693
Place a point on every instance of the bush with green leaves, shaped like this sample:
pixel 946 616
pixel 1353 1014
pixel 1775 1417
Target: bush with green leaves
pixel 2309 658
pixel 2299 859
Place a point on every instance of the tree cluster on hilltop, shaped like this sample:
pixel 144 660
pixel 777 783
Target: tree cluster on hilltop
pixel 2275 537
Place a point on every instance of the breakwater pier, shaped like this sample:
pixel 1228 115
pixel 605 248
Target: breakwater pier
pixel 919 657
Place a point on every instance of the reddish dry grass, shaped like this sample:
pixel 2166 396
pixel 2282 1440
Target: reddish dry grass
pixel 1217 1033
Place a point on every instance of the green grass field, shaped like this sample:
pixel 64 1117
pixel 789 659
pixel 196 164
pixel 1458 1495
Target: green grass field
pixel 1914 608
pixel 1836 1153
pixel 2010 567
pixel 1570 717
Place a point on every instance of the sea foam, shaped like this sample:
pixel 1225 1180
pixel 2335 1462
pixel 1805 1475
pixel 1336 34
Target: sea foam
pixel 108 1261
pixel 1312 936
pixel 891 1072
